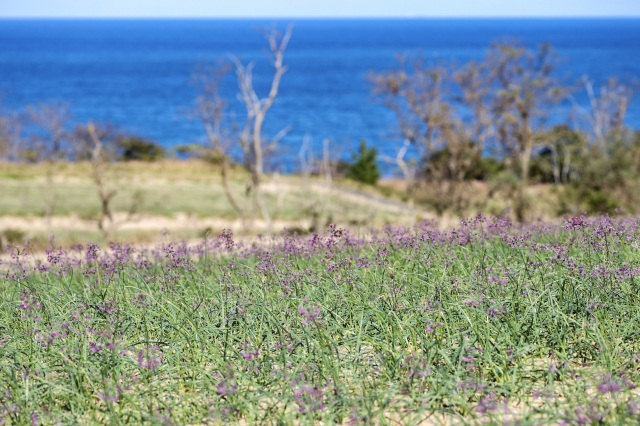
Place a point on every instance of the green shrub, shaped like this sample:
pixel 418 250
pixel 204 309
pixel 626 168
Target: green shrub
pixel 597 201
pixel 202 152
pixel 137 149
pixel 364 168
pixel 486 168
pixel 608 176
pixel 471 164
pixel 13 236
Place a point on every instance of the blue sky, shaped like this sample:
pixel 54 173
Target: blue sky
pixel 318 8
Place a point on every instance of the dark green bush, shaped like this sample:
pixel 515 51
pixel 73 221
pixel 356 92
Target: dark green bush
pixel 541 170
pixel 364 168
pixel 210 155
pixel 137 149
pixel 468 161
pixel 599 202
pixel 486 168
pixel 13 236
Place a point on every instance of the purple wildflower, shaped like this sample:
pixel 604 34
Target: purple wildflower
pixel 224 388
pixel 149 359
pixel 311 314
pixel 608 385
pixel 309 399
pixel 249 354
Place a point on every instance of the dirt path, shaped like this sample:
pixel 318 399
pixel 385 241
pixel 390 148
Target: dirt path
pixel 347 194
pixel 33 224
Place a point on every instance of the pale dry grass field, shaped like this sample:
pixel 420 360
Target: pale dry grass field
pixel 183 198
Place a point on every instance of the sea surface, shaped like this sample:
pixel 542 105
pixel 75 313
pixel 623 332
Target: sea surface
pixel 137 74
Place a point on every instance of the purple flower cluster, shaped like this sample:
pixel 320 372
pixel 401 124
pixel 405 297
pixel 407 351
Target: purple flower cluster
pixel 309 398
pixel 149 358
pixel 311 314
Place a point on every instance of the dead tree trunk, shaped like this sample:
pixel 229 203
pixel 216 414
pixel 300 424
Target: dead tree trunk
pixel 255 148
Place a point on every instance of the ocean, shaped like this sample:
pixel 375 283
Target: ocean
pixel 137 74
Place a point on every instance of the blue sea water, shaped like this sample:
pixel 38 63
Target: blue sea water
pixel 136 74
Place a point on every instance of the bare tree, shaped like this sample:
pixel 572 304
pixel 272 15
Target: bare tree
pixel 318 205
pixel 524 93
pixel 97 146
pixel 211 109
pixel 423 101
pixel 415 94
pixel 253 144
pixel 474 83
pixel 10 136
pixel 47 131
pixel 608 109
pixel 454 117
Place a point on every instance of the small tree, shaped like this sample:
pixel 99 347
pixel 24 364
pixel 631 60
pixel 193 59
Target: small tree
pixel 47 137
pixel 10 135
pixel 524 91
pixel 364 168
pixel 608 110
pixel 428 117
pixel 99 147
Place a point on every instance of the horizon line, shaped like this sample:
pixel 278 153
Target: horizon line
pixel 402 17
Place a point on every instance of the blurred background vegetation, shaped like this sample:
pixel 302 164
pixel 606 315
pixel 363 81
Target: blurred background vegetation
pixel 486 136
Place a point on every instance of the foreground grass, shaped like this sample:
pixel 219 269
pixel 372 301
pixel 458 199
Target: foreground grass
pixel 486 323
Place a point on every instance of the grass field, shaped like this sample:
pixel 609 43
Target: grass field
pixel 185 197
pixel 486 323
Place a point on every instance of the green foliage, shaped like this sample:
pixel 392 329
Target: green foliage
pixel 596 200
pixel 486 169
pixel 204 153
pixel 556 162
pixel 11 237
pixel 609 175
pixel 29 155
pixel 467 163
pixel 541 170
pixel 364 168
pixel 138 149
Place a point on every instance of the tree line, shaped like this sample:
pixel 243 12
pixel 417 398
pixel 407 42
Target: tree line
pixel 506 120
pixel 509 120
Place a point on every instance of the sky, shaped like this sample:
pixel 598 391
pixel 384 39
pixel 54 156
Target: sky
pixel 318 8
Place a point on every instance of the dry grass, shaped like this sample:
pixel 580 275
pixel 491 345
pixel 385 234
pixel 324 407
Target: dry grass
pixel 183 197
pixel 187 199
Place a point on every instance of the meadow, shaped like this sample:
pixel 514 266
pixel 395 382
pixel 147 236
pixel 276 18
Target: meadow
pixel 185 198
pixel 486 323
